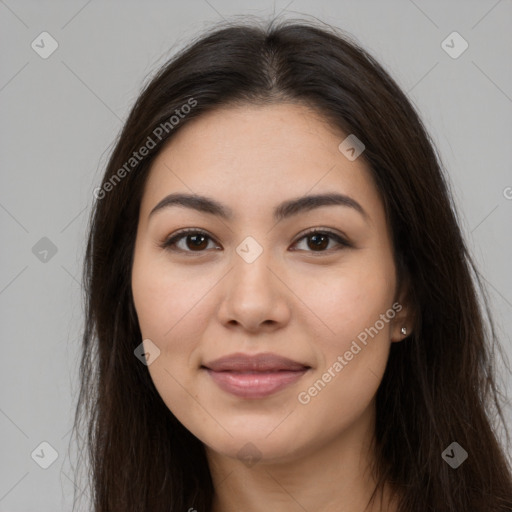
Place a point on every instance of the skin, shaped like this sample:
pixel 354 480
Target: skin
pixel 306 304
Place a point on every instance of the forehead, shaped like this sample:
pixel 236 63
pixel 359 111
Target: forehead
pixel 250 157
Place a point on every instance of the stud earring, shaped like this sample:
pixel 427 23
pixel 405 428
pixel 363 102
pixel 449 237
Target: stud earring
pixel 403 331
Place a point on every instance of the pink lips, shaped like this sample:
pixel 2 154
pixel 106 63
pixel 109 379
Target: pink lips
pixel 254 376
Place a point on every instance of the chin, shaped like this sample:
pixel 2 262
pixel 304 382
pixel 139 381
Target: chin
pixel 264 441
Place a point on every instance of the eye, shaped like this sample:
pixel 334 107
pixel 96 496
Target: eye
pixel 193 240
pixel 320 239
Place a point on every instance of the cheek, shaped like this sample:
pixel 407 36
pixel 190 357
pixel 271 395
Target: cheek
pixel 173 308
pixel 350 302
pixel 356 307
pixel 168 306
pixel 165 298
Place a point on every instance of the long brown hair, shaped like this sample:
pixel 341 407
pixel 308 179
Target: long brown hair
pixel 439 385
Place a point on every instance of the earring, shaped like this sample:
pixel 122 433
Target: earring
pixel 403 331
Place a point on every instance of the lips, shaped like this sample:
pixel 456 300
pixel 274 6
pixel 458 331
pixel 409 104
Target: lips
pixel 258 363
pixel 255 376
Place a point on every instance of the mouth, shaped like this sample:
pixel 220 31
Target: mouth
pixel 255 376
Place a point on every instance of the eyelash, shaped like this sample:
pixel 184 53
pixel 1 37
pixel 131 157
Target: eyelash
pixel 170 243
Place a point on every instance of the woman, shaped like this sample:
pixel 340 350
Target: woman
pixel 281 310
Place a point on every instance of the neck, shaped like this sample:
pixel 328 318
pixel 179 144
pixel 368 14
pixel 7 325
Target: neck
pixel 334 476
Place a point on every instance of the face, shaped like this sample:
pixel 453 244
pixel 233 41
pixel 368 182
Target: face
pixel 306 286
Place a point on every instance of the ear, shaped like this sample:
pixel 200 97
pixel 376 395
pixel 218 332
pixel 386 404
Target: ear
pixel 404 319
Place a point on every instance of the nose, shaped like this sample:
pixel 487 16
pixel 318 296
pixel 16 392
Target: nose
pixel 254 296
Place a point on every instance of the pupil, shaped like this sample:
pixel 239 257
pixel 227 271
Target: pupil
pixel 198 240
pixel 319 244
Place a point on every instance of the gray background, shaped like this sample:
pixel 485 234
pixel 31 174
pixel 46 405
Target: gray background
pixel 60 115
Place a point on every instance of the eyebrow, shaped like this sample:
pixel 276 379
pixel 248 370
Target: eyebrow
pixel 283 211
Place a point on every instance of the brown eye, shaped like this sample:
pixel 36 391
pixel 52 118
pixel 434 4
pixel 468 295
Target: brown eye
pixel 318 241
pixel 196 241
pixel 187 241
